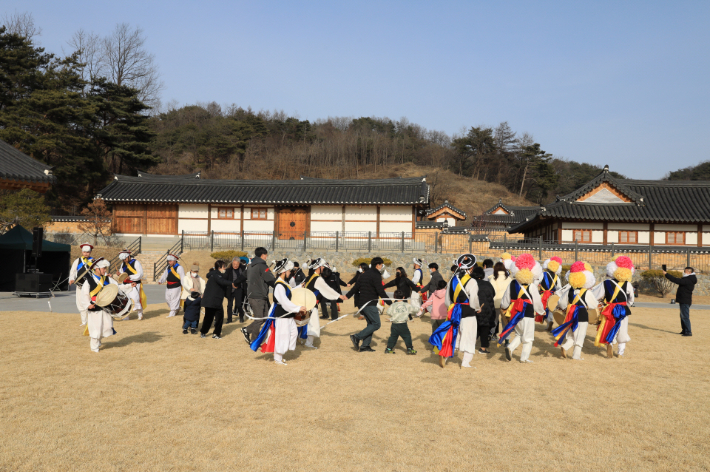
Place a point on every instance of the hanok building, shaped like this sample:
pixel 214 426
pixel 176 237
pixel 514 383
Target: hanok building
pixel 168 205
pixel 607 210
pixel 501 217
pixel 19 171
pixel 446 212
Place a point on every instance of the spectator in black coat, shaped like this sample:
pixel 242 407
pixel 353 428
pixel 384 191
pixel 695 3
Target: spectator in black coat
pixel 486 317
pixel 212 299
pixel 402 282
pixel 191 314
pixel 334 282
pixel 684 297
pixel 363 267
pixel 431 287
pixel 369 286
pixel 236 273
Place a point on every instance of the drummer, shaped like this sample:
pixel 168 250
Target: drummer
pixel 173 276
pixel 134 270
pixel 99 321
pixel 79 269
pixel 577 299
pixel 321 289
pixel 280 332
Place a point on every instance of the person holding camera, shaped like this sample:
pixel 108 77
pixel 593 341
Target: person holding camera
pixel 684 296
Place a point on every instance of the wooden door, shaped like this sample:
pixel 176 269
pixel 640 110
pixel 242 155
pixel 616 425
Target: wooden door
pixel 161 219
pixel 292 223
pixel 129 218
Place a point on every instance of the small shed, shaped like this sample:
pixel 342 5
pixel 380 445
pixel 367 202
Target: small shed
pixel 16 254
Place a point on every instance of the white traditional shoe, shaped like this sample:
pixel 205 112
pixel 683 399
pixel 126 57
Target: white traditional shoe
pixel 280 363
pixel 311 346
pixel 467 366
pixel 95 350
pixel 83 324
pixel 526 361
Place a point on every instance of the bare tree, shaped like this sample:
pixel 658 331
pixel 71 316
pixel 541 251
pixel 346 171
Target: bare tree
pixel 90 50
pixel 128 63
pixel 21 24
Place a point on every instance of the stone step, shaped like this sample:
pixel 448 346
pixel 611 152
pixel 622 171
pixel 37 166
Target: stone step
pixel 148 259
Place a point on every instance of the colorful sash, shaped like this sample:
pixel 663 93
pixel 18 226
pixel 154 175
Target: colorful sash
pixel 612 316
pixel 571 320
pixel 516 312
pixel 141 294
pixel 266 339
pixel 175 274
pixel 444 338
pixel 546 294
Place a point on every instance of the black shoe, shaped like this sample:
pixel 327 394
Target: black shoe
pixel 507 354
pixel 682 333
pixel 241 319
pixel 366 349
pixel 193 330
pixel 229 321
pixel 323 317
pixel 203 335
pixel 688 334
pixel 246 335
pixel 355 341
pixel 184 331
pixel 215 336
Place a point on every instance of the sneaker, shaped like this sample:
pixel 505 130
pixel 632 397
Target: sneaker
pixel 411 352
pixel 389 351
pixel 215 336
pixel 526 361
pixel 193 331
pixel 245 333
pixel 184 331
pixel 481 351
pixel 203 335
pixel 355 341
pixel 366 349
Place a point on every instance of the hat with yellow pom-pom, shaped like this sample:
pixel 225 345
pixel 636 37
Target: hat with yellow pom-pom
pixel 553 264
pixel 525 269
pixel 621 268
pixel 507 259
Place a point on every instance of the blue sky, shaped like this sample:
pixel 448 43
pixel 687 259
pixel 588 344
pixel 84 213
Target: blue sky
pixel 620 83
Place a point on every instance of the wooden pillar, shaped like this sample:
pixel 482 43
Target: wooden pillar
pixel 414 219
pixel 378 221
pixel 308 222
pixel 342 219
pixel 113 220
pixel 241 222
pixel 605 228
pixel 700 235
pixel 177 219
pixel 276 218
pixel 209 218
pixel 651 235
pixel 559 232
pixel 145 219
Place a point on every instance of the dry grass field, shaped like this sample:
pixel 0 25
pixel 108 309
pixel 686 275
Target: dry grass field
pixel 155 399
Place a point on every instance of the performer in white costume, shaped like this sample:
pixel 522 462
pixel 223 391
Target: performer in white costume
pixel 417 279
pixel 134 269
pixel 469 325
pixel 576 298
pixel 617 295
pixel 522 302
pixel 173 276
pixel 99 321
pixel 79 270
pixel 315 283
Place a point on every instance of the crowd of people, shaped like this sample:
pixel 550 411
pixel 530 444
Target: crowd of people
pixel 479 303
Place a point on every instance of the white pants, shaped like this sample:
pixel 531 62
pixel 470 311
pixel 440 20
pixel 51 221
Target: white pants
pixel 100 326
pixel 416 300
pixel 81 306
pixel 576 339
pixel 525 334
pixel 468 329
pixel 314 325
pixel 286 332
pixel 135 295
pixel 172 296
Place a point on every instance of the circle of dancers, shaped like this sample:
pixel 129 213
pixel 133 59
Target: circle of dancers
pixel 527 292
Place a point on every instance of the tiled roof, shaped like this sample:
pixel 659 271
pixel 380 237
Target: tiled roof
pixel 516 215
pixel 192 189
pixel 429 224
pixel 652 201
pixel 16 165
pixel 446 204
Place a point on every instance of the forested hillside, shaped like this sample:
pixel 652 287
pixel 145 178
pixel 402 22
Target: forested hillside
pixel 90 115
pixel 698 172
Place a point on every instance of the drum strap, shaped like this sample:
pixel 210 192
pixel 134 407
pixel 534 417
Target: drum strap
pixel 133 270
pixel 98 288
pixel 172 269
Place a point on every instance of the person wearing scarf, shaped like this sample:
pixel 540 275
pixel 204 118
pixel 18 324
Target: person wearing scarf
pixel 99 323
pixel 173 277
pixel 134 269
pixel 522 302
pixel 576 298
pixel 80 269
pixel 617 296
pixel 550 283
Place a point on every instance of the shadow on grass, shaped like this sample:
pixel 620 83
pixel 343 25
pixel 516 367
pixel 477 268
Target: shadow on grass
pixel 152 314
pixel 149 337
pixel 652 329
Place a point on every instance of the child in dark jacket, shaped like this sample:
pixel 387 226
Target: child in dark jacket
pixel 192 312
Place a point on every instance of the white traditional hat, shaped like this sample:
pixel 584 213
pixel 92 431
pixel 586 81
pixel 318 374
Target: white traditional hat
pixel 466 261
pixel 125 254
pixel 172 257
pixel 418 261
pixel 282 266
pixel 86 247
pixel 100 263
pixel 316 263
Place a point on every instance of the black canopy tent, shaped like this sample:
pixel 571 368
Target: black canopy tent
pixel 16 254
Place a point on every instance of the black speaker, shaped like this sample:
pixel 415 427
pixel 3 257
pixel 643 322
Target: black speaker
pixel 37 235
pixel 36 282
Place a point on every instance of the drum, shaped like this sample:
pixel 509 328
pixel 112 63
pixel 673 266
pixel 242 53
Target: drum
pixel 552 302
pixel 593 316
pixel 305 298
pixel 559 316
pixel 114 301
pixel 122 278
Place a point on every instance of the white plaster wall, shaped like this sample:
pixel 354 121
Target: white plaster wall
pixel 706 239
pixel 659 238
pixel 691 239
pixel 567 235
pixel 361 227
pixel 644 237
pixel 396 213
pixel 226 226
pixel 192 211
pixel 612 237
pixel 449 221
pixel 192 225
pixel 628 226
pixel 574 225
pixel 665 227
pixel 352 212
pixel 395 227
pixel 331 226
pixel 499 211
pixel 598 236
pixel 259 225
pixel 326 212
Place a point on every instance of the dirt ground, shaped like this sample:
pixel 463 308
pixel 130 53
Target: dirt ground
pixel 155 399
pixel 653 298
